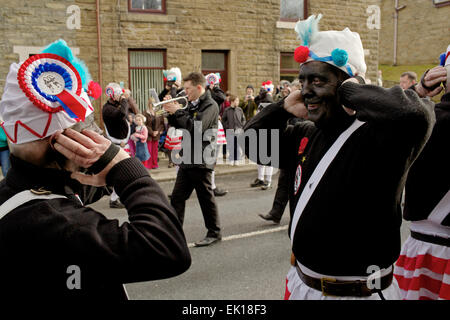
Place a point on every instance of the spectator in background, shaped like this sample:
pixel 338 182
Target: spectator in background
pixel 408 79
pixel 380 78
pixel 296 85
pixel 225 104
pixel 234 119
pixel 4 152
pixel 284 90
pixel 248 104
pixel 132 105
pixel 155 126
pixel 140 136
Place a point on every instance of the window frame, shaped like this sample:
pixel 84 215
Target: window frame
pixel 164 67
pixel 224 74
pixel 305 13
pixel 294 72
pixel 151 11
pixel 441 3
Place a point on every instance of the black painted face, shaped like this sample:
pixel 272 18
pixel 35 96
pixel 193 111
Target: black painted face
pixel 319 89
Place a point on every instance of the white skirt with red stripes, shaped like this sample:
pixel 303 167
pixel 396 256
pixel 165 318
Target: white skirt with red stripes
pixel 423 271
pixel 220 134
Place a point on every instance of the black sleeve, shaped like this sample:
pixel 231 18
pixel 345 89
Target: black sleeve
pixel 150 246
pixel 218 95
pixel 401 112
pixel 163 94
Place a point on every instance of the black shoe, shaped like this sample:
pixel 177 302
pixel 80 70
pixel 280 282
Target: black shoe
pixel 257 183
pixel 269 217
pixel 267 185
pixel 116 204
pixel 219 192
pixel 207 241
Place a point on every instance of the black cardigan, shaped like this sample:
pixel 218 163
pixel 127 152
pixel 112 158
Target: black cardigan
pixel 42 238
pixel 429 178
pixel 352 220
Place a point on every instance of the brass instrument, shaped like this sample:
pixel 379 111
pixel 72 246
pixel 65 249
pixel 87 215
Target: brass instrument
pixel 158 107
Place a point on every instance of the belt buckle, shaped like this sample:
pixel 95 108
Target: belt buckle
pixel 323 282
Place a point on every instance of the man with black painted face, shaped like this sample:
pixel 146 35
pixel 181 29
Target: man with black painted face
pixel 346 165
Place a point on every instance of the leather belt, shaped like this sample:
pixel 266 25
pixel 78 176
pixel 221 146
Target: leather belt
pixel 333 287
pixel 431 239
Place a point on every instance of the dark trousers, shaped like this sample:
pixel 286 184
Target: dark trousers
pixel 199 179
pixel 281 196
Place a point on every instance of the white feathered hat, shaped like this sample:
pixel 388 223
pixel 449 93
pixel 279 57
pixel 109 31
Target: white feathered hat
pixel 342 49
pixel 46 93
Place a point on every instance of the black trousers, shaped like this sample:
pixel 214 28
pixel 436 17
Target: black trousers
pixel 199 179
pixel 281 195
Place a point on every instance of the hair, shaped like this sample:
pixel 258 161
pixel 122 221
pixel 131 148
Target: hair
pixel 410 74
pixel 140 116
pixel 196 78
pixel 250 87
pixel 232 97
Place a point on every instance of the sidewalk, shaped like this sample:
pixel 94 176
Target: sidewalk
pixel 163 173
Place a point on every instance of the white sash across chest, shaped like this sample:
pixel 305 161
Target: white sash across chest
pixel 318 173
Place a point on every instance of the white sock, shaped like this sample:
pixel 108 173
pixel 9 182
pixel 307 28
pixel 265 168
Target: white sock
pixel 114 196
pixel 213 180
pixel 269 172
pixel 260 172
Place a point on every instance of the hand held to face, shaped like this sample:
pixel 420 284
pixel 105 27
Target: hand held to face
pixel 87 150
pixel 294 104
pixel 429 85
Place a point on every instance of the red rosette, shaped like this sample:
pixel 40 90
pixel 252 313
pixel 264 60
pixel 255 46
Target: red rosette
pixel 21 78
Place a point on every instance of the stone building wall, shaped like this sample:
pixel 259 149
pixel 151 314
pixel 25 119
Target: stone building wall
pixel 423 32
pixel 250 31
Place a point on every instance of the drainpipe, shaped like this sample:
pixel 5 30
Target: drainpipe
pixel 99 51
pixel 397 10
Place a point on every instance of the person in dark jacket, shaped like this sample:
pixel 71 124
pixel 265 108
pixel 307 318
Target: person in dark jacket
pixel 53 245
pixel 198 153
pixel 344 197
pixel 426 253
pixel 233 120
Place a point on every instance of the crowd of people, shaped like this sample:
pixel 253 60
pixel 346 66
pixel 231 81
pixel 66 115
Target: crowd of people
pixel 344 195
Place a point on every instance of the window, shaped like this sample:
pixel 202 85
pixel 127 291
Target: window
pixel 150 6
pixel 145 72
pixel 441 3
pixel 289 68
pixel 216 62
pixel 293 10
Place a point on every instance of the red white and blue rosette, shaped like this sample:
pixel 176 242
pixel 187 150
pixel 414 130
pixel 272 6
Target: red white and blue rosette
pixel 53 84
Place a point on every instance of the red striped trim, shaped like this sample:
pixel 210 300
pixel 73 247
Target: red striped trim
pixel 435 264
pixel 425 282
pixel 287 294
pixel 16 128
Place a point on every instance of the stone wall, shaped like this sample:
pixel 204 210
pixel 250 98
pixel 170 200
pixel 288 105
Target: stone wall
pixel 27 26
pixel 249 30
pixel 423 32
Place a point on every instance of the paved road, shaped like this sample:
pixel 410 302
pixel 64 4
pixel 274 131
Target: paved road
pixel 249 264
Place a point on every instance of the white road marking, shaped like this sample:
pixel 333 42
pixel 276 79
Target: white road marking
pixel 249 234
